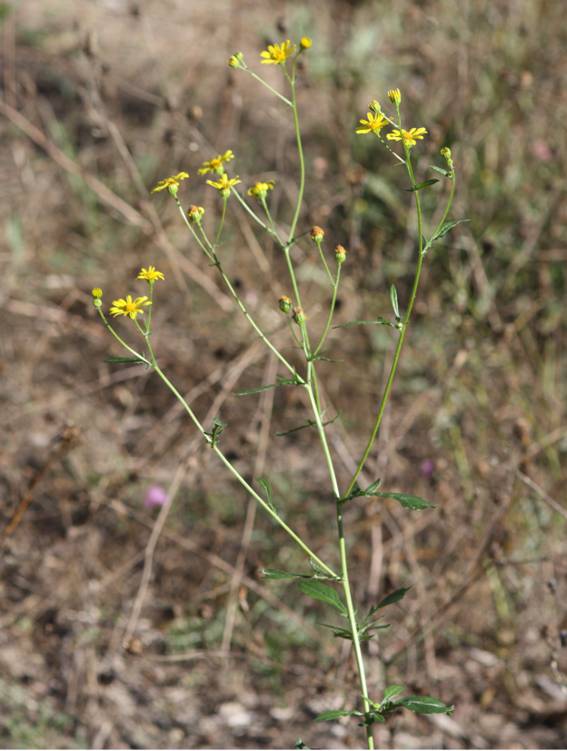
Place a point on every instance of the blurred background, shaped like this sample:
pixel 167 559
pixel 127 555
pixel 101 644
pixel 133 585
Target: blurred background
pixel 127 623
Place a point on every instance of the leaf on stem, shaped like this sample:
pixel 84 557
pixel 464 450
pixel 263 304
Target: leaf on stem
pixel 425 705
pixel 380 321
pixel 424 184
pixel 394 301
pixel 274 573
pixel 280 382
pixel 358 492
pixel 391 691
pixel 411 502
pixel 395 596
pixel 445 228
pixel 440 170
pixel 216 431
pixel 124 360
pixel 267 488
pixel 334 714
pixel 308 424
pixel 324 593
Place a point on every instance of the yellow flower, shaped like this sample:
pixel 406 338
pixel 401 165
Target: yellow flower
pixel 260 189
pixel 129 307
pixel 395 96
pixel 236 60
pixel 277 54
pixel 171 183
pixel 195 214
pixel 151 274
pixel 305 43
pixel 97 292
pixel 409 137
pixel 224 184
pixel 373 124
pixel 216 163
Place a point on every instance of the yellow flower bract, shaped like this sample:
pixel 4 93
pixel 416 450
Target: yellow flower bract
pixel 129 306
pixel 277 54
pixel 216 163
pixel 260 189
pixel 409 137
pixel 373 124
pixel 170 182
pixel 151 274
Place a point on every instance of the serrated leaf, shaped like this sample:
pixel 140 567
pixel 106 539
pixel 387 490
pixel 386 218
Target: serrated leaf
pixel 124 360
pixel 424 184
pixel 334 714
pixel 445 228
pixel 411 502
pixel 391 691
pixel 324 593
pixel 274 573
pixel 394 301
pixel 395 596
pixel 425 705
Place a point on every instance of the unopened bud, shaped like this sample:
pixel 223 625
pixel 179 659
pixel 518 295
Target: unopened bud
pixel 97 295
pixel 317 234
pixel 236 61
pixel 375 106
pixel 285 304
pixel 448 157
pixel 305 43
pixel 299 316
pixel 195 214
pixel 395 96
pixel 340 254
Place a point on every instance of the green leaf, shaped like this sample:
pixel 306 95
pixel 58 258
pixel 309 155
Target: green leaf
pixel 425 705
pixel 257 389
pixel 411 502
pixel 394 301
pixel 440 170
pixel 319 571
pixel 274 573
pixel 340 633
pixel 267 487
pixel 358 492
pixel 324 593
pixel 424 184
pixel 300 744
pixel 445 228
pixel 391 691
pixel 124 360
pixel 395 596
pixel 308 424
pixel 334 714
pixel 380 321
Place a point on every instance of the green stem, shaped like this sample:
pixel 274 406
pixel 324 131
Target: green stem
pixel 120 340
pixel 209 252
pixel 331 313
pixel 221 224
pixel 258 498
pixel 359 659
pixel 324 262
pixel 402 336
pixel 255 216
pixel 267 85
pixel 300 154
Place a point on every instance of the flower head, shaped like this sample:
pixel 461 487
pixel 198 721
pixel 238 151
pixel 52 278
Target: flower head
pixel 373 124
pixel 195 214
pixel 260 189
pixel 224 184
pixel 277 54
pixel 129 306
pixel 409 137
pixel 299 316
pixel 285 304
pixel 236 60
pixel 317 234
pixel 171 183
pixel 305 43
pixel 395 96
pixel 151 274
pixel 215 165
pixel 340 254
pixel 155 496
pixel 97 297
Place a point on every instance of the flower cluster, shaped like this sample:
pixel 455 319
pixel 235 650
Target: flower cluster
pixel 278 54
pixel 376 121
pixel 216 164
pixel 130 306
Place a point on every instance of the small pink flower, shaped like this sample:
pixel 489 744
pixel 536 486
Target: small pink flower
pixel 155 496
pixel 427 468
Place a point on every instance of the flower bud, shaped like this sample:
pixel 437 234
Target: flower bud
pixel 448 157
pixel 236 61
pixel 97 295
pixel 395 96
pixel 375 106
pixel 340 254
pixel 317 234
pixel 299 316
pixel 195 214
pixel 285 304
pixel 305 43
